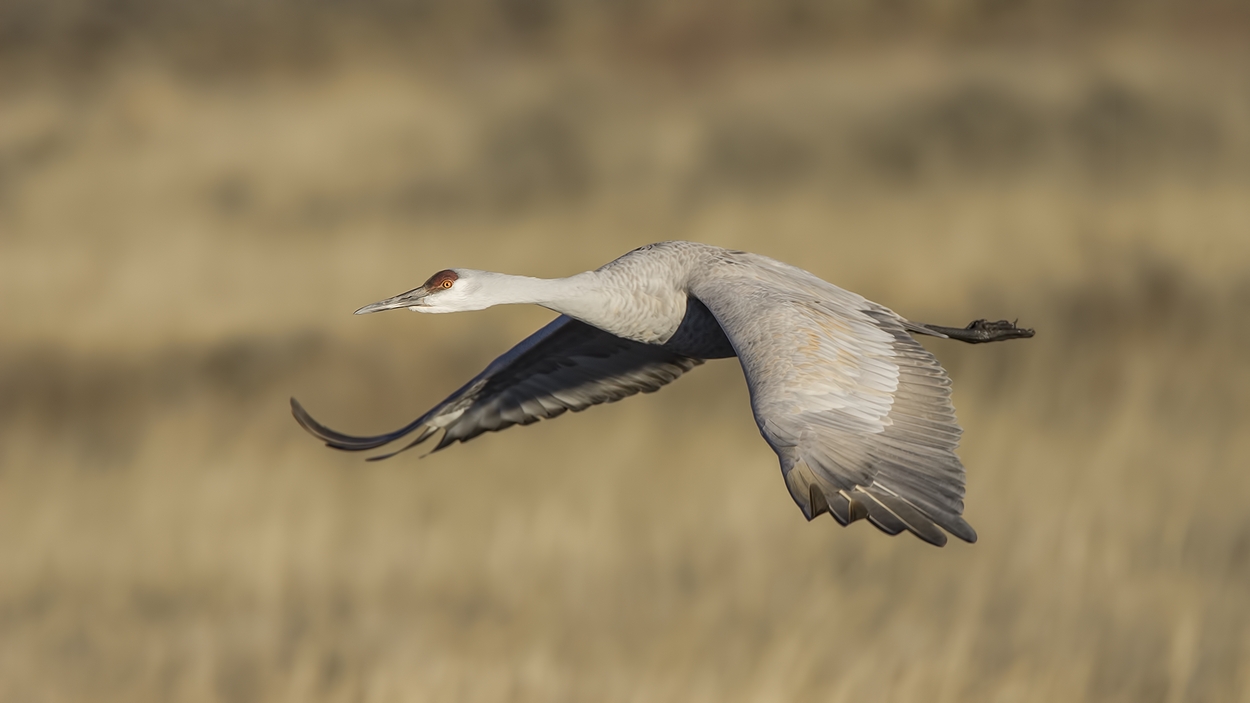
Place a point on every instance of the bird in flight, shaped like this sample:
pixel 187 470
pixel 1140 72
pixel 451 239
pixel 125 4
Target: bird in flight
pixel 858 412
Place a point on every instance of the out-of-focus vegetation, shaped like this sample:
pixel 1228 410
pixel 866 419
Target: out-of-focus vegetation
pixel 195 196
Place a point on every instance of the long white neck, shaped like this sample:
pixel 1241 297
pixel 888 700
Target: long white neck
pixel 574 296
pixel 593 297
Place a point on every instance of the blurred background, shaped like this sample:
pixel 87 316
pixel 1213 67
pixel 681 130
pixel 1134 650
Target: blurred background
pixel 195 196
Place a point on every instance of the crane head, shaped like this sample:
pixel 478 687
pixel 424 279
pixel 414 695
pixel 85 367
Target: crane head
pixel 440 293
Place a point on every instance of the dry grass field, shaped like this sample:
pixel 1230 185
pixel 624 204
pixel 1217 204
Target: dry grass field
pixel 189 215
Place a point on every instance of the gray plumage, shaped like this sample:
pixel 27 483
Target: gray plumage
pixel 857 411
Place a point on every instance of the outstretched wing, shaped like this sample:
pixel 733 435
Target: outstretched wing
pixel 567 365
pixel 858 412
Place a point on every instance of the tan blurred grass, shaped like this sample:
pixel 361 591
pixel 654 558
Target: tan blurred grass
pixel 179 256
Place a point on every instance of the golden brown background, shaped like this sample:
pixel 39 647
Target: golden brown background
pixel 195 196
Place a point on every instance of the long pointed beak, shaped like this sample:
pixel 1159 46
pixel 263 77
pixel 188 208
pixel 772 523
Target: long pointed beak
pixel 412 298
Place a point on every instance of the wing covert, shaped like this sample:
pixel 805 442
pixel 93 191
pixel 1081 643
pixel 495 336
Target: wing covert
pixel 858 412
pixel 566 365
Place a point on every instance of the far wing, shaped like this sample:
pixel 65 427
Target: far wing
pixel 858 412
pixel 567 365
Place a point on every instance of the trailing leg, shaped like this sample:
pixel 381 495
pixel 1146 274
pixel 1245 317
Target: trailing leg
pixel 977 332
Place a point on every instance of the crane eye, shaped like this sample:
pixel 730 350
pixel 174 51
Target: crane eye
pixel 441 281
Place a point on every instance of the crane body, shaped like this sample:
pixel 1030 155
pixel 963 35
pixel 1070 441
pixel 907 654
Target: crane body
pixel 857 411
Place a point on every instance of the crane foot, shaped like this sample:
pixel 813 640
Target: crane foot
pixel 981 331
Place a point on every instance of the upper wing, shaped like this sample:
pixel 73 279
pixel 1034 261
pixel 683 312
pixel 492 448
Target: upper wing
pixel 567 365
pixel 857 410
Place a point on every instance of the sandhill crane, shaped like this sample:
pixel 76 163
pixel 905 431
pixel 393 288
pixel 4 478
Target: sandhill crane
pixel 857 411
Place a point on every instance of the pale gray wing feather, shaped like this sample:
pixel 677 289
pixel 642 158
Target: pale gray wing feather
pixel 567 365
pixel 858 412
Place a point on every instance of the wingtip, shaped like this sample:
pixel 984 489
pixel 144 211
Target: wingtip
pixel 310 425
pixel 345 442
pixel 963 530
pixel 302 417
